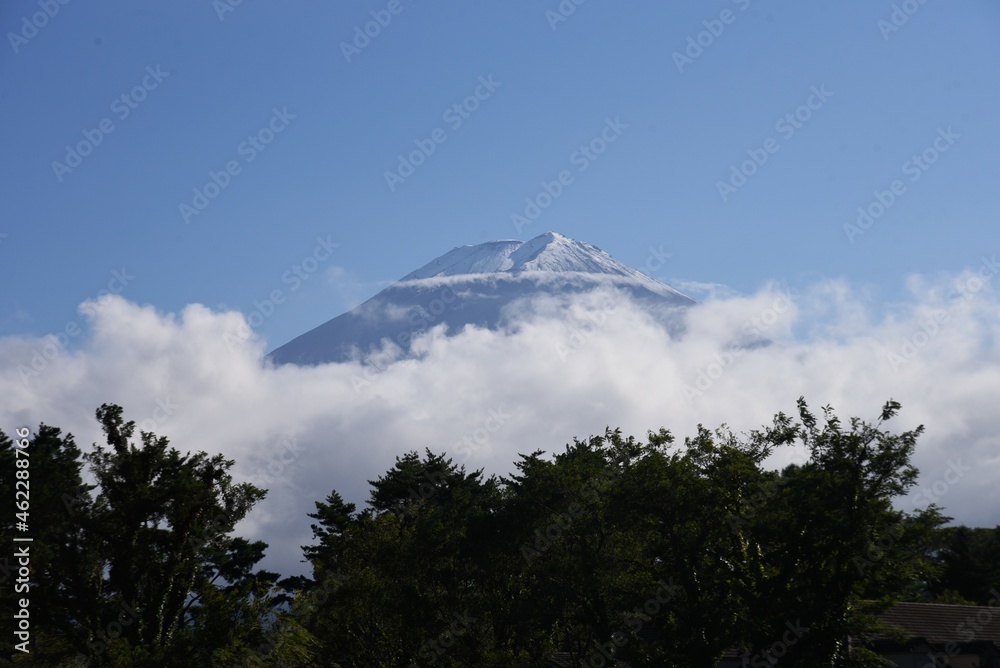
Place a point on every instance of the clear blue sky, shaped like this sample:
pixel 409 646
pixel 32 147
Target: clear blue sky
pixel 219 80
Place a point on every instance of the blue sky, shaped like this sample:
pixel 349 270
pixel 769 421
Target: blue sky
pixel 655 186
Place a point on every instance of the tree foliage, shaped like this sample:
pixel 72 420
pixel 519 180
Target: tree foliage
pixel 142 568
pixel 613 551
pixel 625 552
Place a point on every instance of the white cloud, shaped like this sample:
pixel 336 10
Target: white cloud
pixel 484 396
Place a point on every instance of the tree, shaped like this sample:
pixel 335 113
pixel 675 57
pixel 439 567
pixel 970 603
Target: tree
pixel 63 578
pixel 569 558
pixel 621 552
pixel 395 584
pixel 163 523
pixel 836 550
pixel 689 504
pixel 143 569
pixel 969 560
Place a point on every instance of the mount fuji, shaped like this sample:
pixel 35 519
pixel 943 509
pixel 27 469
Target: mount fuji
pixel 491 285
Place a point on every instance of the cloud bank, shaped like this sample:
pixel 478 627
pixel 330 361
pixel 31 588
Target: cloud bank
pixel 484 396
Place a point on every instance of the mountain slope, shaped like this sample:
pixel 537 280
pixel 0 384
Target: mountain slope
pixel 488 285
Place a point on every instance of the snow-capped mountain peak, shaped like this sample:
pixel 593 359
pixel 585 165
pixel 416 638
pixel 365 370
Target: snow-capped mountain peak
pixel 547 252
pixel 492 256
pixel 484 285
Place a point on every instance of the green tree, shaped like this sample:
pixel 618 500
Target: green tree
pixel 63 574
pixel 575 561
pixel 142 568
pixel 969 560
pixel 621 552
pixel 835 549
pixel 396 583
pixel 688 504
pixel 163 524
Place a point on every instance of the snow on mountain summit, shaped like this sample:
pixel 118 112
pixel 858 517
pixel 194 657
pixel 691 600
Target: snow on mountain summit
pixel 547 252
pixel 492 256
pixel 485 285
